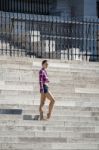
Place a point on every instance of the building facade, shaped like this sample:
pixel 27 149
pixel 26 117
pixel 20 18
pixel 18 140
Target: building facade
pixel 71 8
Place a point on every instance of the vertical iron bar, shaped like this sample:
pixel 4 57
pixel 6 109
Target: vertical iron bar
pixel 82 33
pixel 56 37
pixel 97 40
pixel 86 38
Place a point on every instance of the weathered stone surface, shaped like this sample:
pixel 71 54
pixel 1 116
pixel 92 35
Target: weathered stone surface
pixel 74 122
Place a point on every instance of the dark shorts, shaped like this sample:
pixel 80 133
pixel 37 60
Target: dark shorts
pixel 45 88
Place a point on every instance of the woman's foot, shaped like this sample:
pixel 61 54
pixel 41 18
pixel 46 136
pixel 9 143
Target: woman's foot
pixel 41 116
pixel 48 115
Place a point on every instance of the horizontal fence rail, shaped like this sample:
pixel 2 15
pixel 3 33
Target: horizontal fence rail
pixel 44 36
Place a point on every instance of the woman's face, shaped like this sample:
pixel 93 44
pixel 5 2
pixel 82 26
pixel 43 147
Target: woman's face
pixel 45 65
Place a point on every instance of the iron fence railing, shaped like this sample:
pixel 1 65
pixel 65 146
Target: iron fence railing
pixel 46 36
pixel 25 6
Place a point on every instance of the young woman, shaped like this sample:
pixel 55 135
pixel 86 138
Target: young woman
pixel 44 90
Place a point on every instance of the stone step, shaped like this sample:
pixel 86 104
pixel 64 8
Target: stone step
pixel 68 118
pixel 57 88
pixel 16 88
pixel 30 73
pixel 21 59
pixel 69 85
pixel 16 92
pixel 67 113
pixel 23 83
pixel 68 72
pixel 16 62
pixel 49 134
pixel 90 68
pixel 49 124
pixel 61 61
pixel 64 75
pixel 69 81
pixel 71 90
pixel 57 62
pixel 15 139
pixel 31 84
pixel 60 109
pixel 29 129
pixel 18 102
pixel 75 69
pixel 63 113
pixel 32 139
pixel 32 90
pixel 72 103
pixel 71 95
pixel 18 79
pixel 24 66
pixel 11 117
pixel 36 94
pixel 51 73
pixel 42 149
pixel 38 61
pixel 36 84
pixel 8 95
pixel 17 76
pixel 65 123
pixel 43 146
pixel 9 81
pixel 16 95
pixel 62 118
pixel 77 76
pixel 26 76
pixel 16 67
pixel 54 85
pixel 62 123
pixel 68 103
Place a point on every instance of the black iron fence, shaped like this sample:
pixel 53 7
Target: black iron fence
pixel 53 37
pixel 25 6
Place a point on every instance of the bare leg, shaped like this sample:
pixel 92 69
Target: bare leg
pixel 41 105
pixel 52 101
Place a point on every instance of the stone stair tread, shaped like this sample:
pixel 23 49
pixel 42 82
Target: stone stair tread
pixel 65 146
pixel 51 140
pixel 64 123
pixel 29 124
pixel 57 108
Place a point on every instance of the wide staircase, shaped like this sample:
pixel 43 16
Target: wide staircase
pixel 74 124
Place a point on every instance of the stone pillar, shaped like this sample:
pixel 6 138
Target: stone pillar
pixel 63 8
pixel 77 8
pixel 90 8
